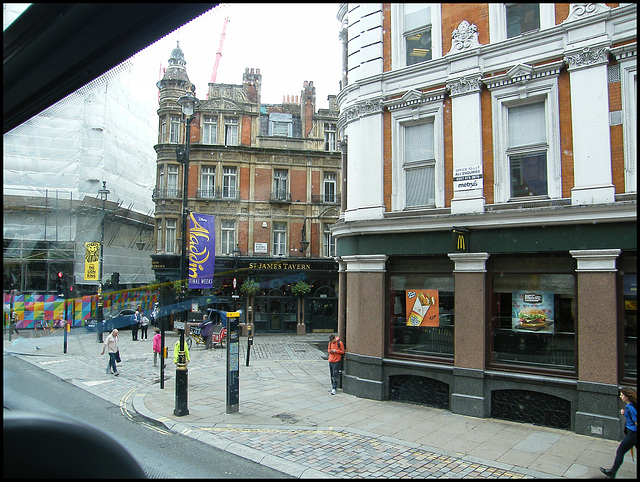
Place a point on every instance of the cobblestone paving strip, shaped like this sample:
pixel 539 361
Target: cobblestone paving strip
pixel 348 455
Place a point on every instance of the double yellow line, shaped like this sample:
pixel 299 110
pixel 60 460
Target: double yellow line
pixel 128 415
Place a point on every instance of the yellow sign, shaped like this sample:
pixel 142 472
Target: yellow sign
pixel 233 314
pixel 91 261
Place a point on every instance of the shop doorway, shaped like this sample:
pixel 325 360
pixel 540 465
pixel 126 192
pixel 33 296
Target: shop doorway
pixel 275 312
pixel 321 311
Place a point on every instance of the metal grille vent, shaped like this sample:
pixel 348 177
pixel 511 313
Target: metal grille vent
pixel 531 407
pixel 416 389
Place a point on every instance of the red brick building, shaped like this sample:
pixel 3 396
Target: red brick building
pixel 271 175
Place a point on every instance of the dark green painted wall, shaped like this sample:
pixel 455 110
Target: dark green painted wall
pixel 508 240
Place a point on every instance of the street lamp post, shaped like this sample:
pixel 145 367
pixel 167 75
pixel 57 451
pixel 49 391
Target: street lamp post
pixel 188 103
pixel 104 192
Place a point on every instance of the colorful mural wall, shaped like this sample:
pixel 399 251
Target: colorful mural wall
pixel 32 307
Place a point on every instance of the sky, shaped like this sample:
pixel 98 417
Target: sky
pixel 288 42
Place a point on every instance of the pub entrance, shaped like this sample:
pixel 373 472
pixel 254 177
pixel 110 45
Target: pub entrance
pixel 275 312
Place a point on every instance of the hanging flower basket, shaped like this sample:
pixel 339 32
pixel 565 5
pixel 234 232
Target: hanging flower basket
pixel 250 287
pixel 300 288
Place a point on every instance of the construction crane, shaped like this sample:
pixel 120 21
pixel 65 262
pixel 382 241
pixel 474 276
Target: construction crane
pixel 218 54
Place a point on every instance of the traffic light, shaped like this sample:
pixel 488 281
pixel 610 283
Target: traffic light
pixel 60 284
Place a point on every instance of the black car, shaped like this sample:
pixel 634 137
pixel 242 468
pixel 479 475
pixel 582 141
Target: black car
pixel 122 321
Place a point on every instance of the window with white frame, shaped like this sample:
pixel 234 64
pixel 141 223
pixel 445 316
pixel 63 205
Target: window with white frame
pixel 329 137
pixel 229 182
pixel 231 131
pixel 419 164
pixel 170 234
pixel 329 187
pixel 509 20
pixel 209 130
pixel 329 242
pixel 629 86
pixel 172 182
pixel 174 128
pixel 418 157
pixel 280 177
pixel 522 17
pixel 207 181
pixel 279 239
pixel 163 131
pixel 527 150
pixel 227 237
pixel 159 238
pixel 280 125
pixel 419 33
pixel 161 185
pixel 526 141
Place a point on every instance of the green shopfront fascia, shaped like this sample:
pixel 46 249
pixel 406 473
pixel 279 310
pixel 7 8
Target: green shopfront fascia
pixel 519 318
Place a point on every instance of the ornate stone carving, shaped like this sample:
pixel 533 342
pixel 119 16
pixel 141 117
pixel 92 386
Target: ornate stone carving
pixel 587 57
pixel 464 85
pixel 582 10
pixel 361 109
pixel 465 37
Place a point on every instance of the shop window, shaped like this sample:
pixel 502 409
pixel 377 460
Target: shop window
pixel 628 269
pixel 533 306
pixel 421 309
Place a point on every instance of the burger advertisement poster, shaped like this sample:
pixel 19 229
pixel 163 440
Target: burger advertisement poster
pixel 423 308
pixel 533 311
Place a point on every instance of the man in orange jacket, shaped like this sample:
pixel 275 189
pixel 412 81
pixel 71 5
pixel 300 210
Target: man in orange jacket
pixel 335 350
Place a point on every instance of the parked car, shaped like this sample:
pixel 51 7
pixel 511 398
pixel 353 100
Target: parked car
pixel 122 321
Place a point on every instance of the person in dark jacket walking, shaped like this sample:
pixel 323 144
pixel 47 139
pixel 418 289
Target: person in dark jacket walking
pixel 335 350
pixel 630 440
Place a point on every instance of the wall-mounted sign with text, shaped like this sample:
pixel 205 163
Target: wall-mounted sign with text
pixel 260 248
pixel 465 178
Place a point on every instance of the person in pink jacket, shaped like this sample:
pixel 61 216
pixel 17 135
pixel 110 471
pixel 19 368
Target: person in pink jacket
pixel 157 342
pixel 335 350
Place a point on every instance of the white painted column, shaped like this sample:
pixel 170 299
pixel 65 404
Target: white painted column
pixel 593 183
pixel 466 117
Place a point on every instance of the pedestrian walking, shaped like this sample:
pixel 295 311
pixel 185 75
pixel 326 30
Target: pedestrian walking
pixel 335 350
pixel 137 321
pixel 630 440
pixel 111 346
pixel 154 315
pixel 144 325
pixel 13 322
pixel 176 351
pixel 157 342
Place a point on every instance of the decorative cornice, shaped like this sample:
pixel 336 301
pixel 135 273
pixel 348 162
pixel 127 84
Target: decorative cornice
pixel 625 52
pixel 359 110
pixel 465 37
pixel 465 85
pixel 523 74
pixel 587 57
pixel 581 10
pixel 415 97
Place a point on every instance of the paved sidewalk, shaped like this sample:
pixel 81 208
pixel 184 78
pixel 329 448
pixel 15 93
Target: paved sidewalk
pixel 289 421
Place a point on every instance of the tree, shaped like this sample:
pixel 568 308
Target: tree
pixel 250 287
pixel 300 289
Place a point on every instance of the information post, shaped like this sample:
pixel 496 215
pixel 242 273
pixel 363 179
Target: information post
pixel 233 361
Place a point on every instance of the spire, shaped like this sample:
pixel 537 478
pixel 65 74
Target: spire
pixel 176 70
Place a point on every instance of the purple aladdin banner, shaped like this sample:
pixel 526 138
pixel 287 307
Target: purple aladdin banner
pixel 202 250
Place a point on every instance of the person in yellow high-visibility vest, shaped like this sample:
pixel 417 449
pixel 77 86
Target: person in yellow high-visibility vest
pixel 176 350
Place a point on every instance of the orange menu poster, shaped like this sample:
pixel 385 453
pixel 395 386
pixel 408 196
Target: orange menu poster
pixel 423 308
